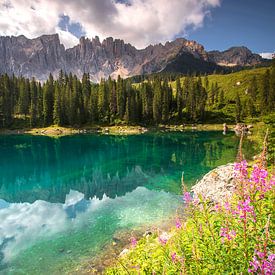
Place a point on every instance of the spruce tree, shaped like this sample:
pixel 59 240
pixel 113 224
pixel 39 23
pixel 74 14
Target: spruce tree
pixel 238 108
pixel 57 106
pixel 179 98
pixel 264 92
pixel 33 104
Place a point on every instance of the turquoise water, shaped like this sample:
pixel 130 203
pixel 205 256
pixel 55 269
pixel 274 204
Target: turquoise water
pixel 62 200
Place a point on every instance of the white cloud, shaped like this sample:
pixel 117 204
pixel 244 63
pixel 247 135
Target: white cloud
pixel 67 38
pixel 140 23
pixel 266 55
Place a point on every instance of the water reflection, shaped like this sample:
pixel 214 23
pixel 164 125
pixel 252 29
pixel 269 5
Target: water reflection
pixel 42 168
pixel 24 223
pixel 66 231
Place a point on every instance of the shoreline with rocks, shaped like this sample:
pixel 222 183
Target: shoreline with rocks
pixel 57 131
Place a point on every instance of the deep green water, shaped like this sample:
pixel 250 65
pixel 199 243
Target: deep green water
pixel 62 200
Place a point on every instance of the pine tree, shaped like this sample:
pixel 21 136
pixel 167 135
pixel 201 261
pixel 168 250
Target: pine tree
pixel 157 112
pixel 251 107
pixel 48 98
pixel 113 98
pixel 33 104
pixel 252 90
pixel 24 97
pixel 238 108
pixel 127 111
pixel 264 92
pixel 179 98
pixel 166 101
pixel 221 99
pixel 5 101
pixel 206 83
pixel 103 101
pixel 120 97
pixel 93 105
pixel 271 96
pixel 57 106
pixel 86 91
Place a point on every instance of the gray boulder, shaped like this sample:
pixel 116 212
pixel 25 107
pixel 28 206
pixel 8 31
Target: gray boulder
pixel 217 185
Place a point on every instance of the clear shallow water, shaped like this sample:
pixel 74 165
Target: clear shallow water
pixel 62 200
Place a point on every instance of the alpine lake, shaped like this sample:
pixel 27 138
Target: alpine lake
pixel 65 200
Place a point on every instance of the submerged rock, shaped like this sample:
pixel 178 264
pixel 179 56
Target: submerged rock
pixel 217 185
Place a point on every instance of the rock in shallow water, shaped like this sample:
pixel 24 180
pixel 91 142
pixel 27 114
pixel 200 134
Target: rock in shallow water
pixel 218 184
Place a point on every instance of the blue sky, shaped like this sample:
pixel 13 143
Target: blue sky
pixel 239 22
pixel 216 24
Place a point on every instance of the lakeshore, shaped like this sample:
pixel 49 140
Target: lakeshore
pixel 57 131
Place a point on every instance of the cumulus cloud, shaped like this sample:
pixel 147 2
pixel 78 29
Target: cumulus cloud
pixel 266 55
pixel 139 22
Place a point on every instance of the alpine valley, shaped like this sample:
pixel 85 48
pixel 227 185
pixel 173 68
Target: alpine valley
pixel 112 57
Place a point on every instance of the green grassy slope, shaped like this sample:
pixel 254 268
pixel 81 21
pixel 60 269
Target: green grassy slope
pixel 228 82
pixel 231 84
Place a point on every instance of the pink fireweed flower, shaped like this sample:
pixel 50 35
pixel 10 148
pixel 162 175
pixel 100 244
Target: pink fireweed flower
pixel 227 206
pixel 187 198
pixel 133 241
pixel 255 264
pixel 258 175
pixel 227 234
pixel 245 207
pixel 271 257
pixel 240 169
pixel 262 264
pixel 178 223
pixel 217 207
pixel 163 238
pixel 174 257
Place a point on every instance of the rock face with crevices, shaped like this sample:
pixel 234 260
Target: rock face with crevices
pixel 43 55
pixel 235 56
pixel 218 184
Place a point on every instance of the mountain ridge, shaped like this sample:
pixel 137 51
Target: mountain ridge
pixel 43 55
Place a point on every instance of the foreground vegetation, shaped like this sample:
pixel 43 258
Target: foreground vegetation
pixel 235 236
pixel 68 101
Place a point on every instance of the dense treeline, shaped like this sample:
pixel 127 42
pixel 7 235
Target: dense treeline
pixel 70 101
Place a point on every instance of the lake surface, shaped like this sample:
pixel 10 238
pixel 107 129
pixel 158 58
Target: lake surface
pixel 62 200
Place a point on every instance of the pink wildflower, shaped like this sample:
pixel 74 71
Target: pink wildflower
pixel 240 169
pixel 133 241
pixel 226 234
pixel 271 257
pixel 245 207
pixel 163 238
pixel 174 257
pixel 258 175
pixel 227 206
pixel 261 264
pixel 217 207
pixel 187 198
pixel 178 223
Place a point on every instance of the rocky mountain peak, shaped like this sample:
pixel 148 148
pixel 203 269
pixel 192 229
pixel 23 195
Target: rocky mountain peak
pixel 44 55
pixel 235 56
